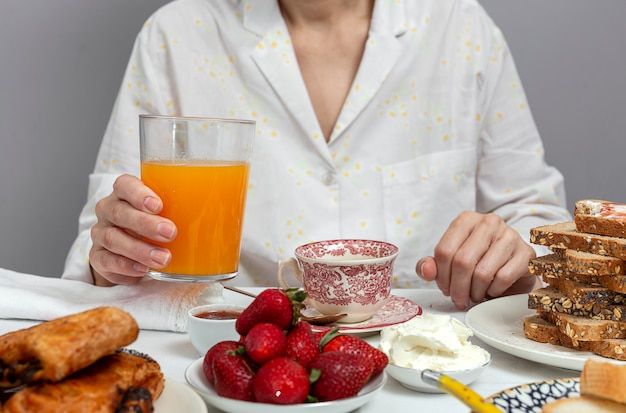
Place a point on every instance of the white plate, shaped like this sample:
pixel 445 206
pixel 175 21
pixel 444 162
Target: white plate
pixel 396 310
pixel 533 396
pixel 499 323
pixel 179 397
pixel 195 377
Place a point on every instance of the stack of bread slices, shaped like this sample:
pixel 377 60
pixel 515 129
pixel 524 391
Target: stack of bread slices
pixel 583 305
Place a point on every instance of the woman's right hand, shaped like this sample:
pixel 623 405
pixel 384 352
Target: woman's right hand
pixel 119 254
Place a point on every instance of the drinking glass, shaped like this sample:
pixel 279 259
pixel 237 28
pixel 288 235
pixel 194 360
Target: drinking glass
pixel 199 168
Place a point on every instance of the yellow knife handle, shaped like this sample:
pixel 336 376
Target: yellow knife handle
pixel 466 395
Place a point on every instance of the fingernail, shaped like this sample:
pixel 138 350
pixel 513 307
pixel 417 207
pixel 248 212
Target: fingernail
pixel 166 230
pixel 421 271
pixel 160 257
pixel 151 203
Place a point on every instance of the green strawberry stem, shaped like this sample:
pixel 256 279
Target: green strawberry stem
pixel 326 338
pixel 297 297
pixel 314 375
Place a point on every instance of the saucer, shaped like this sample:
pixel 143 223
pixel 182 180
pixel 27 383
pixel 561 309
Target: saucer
pixel 396 310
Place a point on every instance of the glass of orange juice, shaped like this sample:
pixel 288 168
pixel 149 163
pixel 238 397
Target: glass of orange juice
pixel 199 167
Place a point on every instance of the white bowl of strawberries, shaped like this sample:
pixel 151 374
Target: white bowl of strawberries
pixel 280 360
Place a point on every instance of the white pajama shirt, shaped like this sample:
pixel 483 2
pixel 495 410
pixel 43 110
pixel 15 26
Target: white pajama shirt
pixel 435 123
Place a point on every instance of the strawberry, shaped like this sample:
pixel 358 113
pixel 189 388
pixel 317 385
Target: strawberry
pixel 281 381
pixel 301 344
pixel 223 347
pixel 319 335
pixel 264 342
pixel 281 307
pixel 337 375
pixel 356 345
pixel 233 376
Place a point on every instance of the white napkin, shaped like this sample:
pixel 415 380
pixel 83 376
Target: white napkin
pixel 156 305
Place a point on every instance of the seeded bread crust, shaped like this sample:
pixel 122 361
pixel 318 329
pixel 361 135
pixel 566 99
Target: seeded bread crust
pixel 611 348
pixel 553 266
pixel 549 266
pixel 565 235
pixel 561 265
pixel 551 299
pixel 583 293
pixel 616 283
pixel 586 329
pixel 539 329
pixel 588 218
pixel 580 262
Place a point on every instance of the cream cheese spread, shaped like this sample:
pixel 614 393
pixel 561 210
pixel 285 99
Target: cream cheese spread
pixel 605 209
pixel 432 341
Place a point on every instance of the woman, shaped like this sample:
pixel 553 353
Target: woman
pixel 401 121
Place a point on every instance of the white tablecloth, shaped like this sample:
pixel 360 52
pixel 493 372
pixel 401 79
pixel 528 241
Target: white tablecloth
pixel 174 353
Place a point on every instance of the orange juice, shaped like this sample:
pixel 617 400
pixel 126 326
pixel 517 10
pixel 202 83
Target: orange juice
pixel 205 199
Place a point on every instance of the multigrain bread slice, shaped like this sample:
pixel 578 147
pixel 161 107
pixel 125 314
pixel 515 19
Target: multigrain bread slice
pixel 611 348
pixel 539 329
pixel 600 217
pixel 583 404
pixel 580 267
pixel 551 299
pixel 554 266
pixel 586 329
pixel 581 262
pixel 583 293
pixel 549 266
pixel 568 261
pixel 565 235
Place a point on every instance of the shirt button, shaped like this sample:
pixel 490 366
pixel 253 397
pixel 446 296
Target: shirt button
pixel 329 178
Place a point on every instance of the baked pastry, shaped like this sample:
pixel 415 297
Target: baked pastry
pixel 603 379
pixel 55 349
pixel 583 405
pixel 123 382
pixel 601 390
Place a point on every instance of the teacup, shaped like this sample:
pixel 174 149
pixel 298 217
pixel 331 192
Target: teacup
pixel 351 276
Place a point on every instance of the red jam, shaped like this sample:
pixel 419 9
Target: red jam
pixel 219 315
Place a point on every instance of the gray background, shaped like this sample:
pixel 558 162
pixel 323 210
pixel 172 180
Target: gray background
pixel 61 63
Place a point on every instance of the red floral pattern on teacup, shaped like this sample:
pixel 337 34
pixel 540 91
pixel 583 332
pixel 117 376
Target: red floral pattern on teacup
pixel 362 277
pixel 342 285
pixel 361 249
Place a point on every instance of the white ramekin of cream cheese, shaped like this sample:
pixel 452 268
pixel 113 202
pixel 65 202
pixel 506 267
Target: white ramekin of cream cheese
pixel 432 341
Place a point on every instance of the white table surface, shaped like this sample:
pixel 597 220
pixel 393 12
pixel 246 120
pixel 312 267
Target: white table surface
pixel 175 353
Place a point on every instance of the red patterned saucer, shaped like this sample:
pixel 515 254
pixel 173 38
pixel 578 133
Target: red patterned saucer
pixel 395 311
